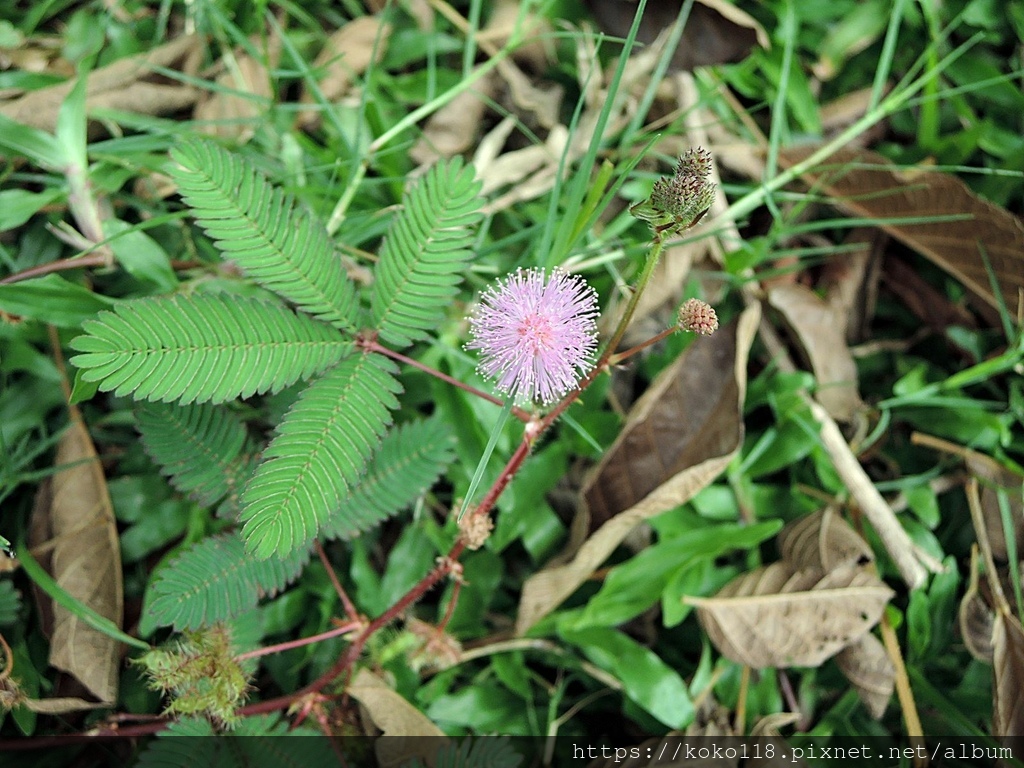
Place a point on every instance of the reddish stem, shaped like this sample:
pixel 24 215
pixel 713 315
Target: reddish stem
pixel 350 608
pixel 372 345
pixel 342 630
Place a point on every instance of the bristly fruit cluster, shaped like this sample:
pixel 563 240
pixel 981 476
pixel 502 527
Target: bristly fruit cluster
pixel 678 203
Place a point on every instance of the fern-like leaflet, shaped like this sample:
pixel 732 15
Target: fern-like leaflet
pixel 424 254
pixel 408 462
pixel 320 449
pixel 263 229
pixel 203 449
pixel 215 580
pixel 206 347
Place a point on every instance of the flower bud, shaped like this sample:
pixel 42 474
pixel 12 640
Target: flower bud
pixel 698 316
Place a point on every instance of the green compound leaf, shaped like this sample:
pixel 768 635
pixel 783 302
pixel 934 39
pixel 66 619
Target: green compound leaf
pixel 201 448
pixel 277 242
pixel 215 580
pixel 288 747
pixel 409 460
pixel 424 254
pixel 203 347
pixel 320 450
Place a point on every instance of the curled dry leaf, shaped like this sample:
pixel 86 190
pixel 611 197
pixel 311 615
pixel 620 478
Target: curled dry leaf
pixel 976 617
pixel 129 84
pixel 868 667
pixel 242 93
pixel 347 54
pixel 819 330
pixel 993 478
pixel 73 511
pixel 823 541
pixel 1008 674
pixel 773 617
pixel 968 228
pixel 677 438
pixel 716 32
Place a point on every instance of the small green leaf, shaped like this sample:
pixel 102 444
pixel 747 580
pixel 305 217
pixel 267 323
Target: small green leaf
pixel 18 205
pixel 51 299
pixel 647 680
pixel 140 254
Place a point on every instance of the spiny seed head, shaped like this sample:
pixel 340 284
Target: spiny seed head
pixel 698 316
pixel 536 336
pixel 679 202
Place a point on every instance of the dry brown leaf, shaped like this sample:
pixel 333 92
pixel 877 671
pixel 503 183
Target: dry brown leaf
pixel 347 54
pixel 822 541
pixel 230 115
pixel 716 32
pixel 60 706
pixel 866 184
pixel 760 624
pixel 73 508
pixel 866 664
pixel 388 710
pixel 1008 674
pixel 851 282
pixel 128 84
pixel 678 437
pixel 818 329
pixel 452 130
pixel 976 617
pixel 992 477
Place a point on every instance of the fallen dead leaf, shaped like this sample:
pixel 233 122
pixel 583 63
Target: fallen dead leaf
pixel 868 667
pixel 348 53
pixel 676 440
pixel 976 617
pixel 73 507
pixel 453 129
pixel 866 184
pixel 225 112
pixel 822 541
pixel 128 84
pixel 851 282
pixel 1008 676
pixel 777 617
pixel 716 32
pixel 818 329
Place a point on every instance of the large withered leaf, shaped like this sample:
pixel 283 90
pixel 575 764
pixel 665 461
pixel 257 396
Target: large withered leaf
pixel 1008 676
pixel 677 438
pixel 822 541
pixel 866 184
pixel 772 617
pixel 128 84
pixel 74 509
pixel 395 716
pixel 819 330
pixel 868 667
pixel 691 413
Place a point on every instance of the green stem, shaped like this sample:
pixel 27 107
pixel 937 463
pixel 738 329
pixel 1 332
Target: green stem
pixel 653 256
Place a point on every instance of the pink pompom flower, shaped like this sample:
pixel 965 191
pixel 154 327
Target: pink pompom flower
pixel 536 336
